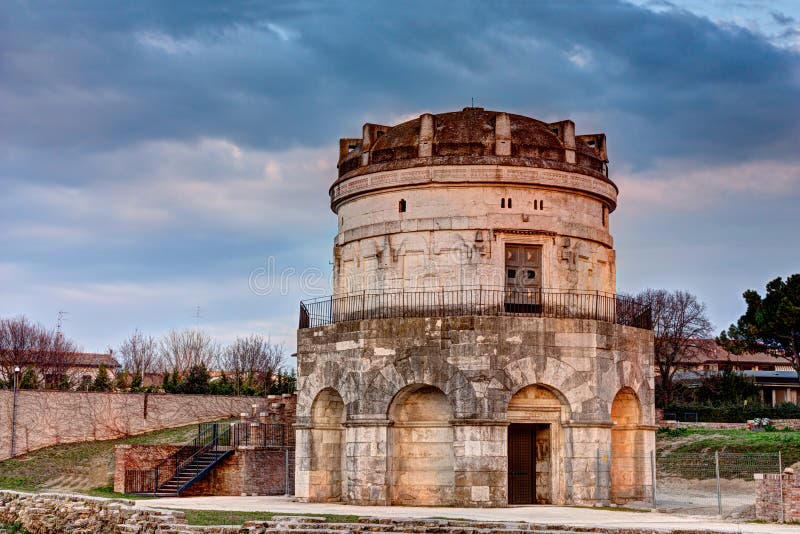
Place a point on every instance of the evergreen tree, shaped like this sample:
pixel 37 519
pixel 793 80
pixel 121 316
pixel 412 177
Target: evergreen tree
pixel 102 381
pixel 122 381
pixel 196 381
pixel 136 382
pixel 29 379
pixel 64 384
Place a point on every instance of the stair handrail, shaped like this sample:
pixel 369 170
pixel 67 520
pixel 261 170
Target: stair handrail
pixel 219 437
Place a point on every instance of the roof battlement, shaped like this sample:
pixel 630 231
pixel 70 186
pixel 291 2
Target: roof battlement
pixel 473 136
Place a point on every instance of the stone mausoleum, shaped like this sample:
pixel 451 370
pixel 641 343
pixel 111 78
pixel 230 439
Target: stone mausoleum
pixel 474 352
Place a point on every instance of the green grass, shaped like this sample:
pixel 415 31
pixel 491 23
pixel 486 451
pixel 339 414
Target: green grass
pixel 34 470
pixel 741 441
pixel 223 517
pixel 109 493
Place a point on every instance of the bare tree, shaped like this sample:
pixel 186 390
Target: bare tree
pixel 26 344
pixel 139 354
pixel 681 327
pixel 253 361
pixel 184 349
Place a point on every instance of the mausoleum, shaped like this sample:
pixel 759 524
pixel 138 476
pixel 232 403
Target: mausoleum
pixel 474 351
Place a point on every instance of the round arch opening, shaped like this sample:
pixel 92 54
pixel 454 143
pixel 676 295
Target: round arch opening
pixel 422 462
pixel 628 462
pixel 536 414
pixel 326 481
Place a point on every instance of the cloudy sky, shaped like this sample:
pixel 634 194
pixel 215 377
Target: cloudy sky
pixel 160 156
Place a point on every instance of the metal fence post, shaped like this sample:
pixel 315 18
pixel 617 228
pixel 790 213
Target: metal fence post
pixel 780 474
pixel 653 475
pixel 719 494
pixel 286 473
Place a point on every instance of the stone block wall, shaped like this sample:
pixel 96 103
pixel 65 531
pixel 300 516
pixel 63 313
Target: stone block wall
pixel 481 365
pixel 778 497
pixel 47 418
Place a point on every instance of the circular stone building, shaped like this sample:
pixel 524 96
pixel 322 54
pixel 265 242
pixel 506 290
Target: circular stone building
pixel 474 352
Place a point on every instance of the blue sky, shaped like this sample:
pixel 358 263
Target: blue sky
pixel 159 156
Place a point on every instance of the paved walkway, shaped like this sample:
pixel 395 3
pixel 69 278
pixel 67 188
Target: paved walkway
pixel 562 515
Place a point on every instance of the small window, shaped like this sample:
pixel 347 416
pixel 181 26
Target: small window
pixel 541 204
pixel 502 203
pixel 401 206
pixel 536 204
pixel 512 273
pixel 605 216
pixel 530 274
pixel 509 203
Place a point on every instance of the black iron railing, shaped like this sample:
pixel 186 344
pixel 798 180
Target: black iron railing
pixel 211 438
pixel 554 303
pixel 258 434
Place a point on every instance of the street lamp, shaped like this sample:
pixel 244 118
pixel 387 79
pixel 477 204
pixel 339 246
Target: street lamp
pixel 14 412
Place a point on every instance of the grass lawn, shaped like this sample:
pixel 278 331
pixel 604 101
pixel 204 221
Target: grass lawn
pixel 742 441
pixel 222 517
pixel 79 467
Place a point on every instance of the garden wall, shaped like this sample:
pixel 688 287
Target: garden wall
pixel 778 497
pixel 47 418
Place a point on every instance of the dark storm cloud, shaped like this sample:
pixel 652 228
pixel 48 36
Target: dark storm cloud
pixel 90 77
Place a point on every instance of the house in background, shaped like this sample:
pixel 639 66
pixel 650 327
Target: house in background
pixel 80 368
pixel 774 376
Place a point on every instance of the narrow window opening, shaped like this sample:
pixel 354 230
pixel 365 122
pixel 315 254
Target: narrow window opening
pixel 541 204
pixel 536 204
pixel 502 203
pixel 401 206
pixel 509 203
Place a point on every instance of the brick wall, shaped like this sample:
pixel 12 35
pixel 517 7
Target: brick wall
pixel 47 418
pixel 137 457
pixel 249 471
pixel 776 493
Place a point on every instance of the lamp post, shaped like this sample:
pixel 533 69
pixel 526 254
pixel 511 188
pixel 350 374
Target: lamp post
pixel 14 413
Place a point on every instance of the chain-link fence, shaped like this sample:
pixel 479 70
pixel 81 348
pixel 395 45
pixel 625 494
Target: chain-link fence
pixel 717 483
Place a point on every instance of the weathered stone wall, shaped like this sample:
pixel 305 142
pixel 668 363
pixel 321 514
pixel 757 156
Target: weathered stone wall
pixel 778 497
pixel 433 244
pixel 49 513
pixel 479 364
pixel 47 418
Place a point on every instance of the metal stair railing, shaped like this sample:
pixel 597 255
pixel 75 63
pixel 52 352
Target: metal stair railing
pixel 209 439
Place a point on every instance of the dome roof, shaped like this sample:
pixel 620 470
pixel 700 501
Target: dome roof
pixel 473 136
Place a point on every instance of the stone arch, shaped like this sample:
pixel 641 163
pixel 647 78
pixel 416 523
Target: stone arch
pixel 421 457
pixel 570 385
pixel 326 477
pixel 384 386
pixel 628 465
pixel 537 445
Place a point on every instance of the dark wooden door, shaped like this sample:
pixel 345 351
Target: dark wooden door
pixel 521 464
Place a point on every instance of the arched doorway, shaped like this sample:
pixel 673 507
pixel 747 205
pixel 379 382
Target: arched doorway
pixel 421 448
pixel 327 447
pixel 535 446
pixel 627 448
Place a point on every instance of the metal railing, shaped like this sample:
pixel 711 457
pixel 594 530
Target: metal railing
pixel 211 437
pixel 553 303
pixel 256 434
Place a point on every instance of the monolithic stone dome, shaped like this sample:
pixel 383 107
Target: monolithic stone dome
pixel 473 136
